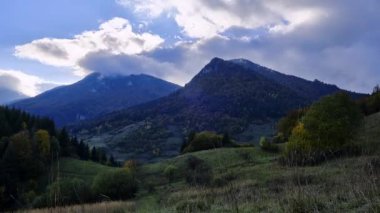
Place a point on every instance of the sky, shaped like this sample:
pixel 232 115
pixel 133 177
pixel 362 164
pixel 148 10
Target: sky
pixel 46 43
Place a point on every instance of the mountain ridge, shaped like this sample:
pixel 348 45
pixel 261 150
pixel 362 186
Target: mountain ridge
pixel 95 95
pixel 224 97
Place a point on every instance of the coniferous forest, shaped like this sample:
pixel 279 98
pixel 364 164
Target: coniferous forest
pixel 30 148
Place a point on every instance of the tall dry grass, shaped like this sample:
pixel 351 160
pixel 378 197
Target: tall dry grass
pixel 104 207
pixel 343 185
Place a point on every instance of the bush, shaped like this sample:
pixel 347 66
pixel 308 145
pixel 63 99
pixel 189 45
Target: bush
pixel 116 185
pixel 170 172
pixel 287 123
pixel 371 104
pixel 325 131
pixel 268 146
pixel 28 197
pixel 150 187
pixel 198 172
pixel 204 141
pixel 67 192
pixel 279 138
pixel 133 165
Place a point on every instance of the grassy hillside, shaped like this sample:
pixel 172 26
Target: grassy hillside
pixel 257 183
pixel 85 170
pixel 369 134
pixel 251 180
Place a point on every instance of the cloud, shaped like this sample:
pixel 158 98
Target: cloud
pixel 334 41
pixel 205 19
pixel 114 36
pixel 18 81
pixel 106 63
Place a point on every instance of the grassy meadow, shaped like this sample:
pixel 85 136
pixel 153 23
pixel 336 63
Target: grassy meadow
pixel 248 179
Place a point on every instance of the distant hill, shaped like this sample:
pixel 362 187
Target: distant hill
pixel 96 95
pixel 236 96
pixel 8 96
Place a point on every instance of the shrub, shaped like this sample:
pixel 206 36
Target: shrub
pixel 170 172
pixel 117 184
pixel 29 196
pixel 204 141
pixel 131 164
pixel 279 138
pixel 286 124
pixel 198 172
pixel 371 104
pixel 68 191
pixel 149 186
pixel 324 131
pixel 268 146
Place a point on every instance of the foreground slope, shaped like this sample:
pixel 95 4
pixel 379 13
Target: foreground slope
pixel 96 95
pixel 237 96
pixel 255 182
pixel 250 180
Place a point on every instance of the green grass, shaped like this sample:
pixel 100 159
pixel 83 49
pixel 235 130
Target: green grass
pixel 369 134
pixel 218 158
pixel 113 206
pixel 260 184
pixel 85 170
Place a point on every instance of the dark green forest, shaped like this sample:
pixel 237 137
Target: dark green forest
pixel 30 146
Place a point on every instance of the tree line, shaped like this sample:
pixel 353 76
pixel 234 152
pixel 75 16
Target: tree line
pixel 325 129
pixel 29 145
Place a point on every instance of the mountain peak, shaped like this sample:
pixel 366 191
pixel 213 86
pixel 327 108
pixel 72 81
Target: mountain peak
pixel 216 60
pixel 213 65
pixel 216 63
pixel 95 95
pixel 101 76
pixel 240 61
pixel 248 64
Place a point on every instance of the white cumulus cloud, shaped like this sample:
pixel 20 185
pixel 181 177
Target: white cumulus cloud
pixel 115 36
pixel 28 85
pixel 207 18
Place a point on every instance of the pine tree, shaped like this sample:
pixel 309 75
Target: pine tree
pixel 86 152
pixel 64 142
pixel 112 161
pixel 94 155
pixel 102 157
pixel 226 139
